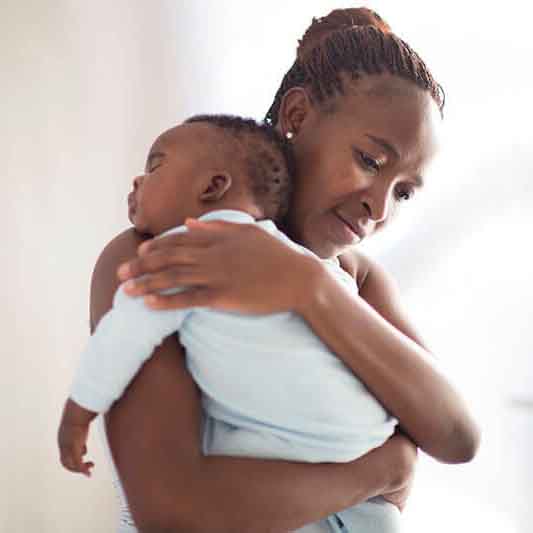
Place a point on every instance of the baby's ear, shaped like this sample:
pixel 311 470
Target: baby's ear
pixel 216 187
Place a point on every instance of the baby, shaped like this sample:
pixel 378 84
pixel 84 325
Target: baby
pixel 275 388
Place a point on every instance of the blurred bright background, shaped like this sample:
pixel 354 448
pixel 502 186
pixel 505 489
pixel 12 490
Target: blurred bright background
pixel 86 86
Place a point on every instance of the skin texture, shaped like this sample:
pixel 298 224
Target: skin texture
pixel 346 182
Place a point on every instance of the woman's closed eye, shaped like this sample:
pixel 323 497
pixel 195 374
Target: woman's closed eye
pixel 154 161
pixel 370 164
pixel 152 168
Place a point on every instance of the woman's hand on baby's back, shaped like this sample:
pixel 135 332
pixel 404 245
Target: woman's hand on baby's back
pixel 223 265
pixel 404 470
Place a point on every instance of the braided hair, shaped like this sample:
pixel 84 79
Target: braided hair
pixel 354 41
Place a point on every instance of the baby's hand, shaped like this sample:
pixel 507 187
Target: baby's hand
pixel 72 438
pixel 72 441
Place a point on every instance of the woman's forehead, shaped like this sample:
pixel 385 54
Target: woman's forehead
pixel 392 109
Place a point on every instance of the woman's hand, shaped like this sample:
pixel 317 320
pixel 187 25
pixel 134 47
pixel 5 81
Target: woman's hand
pixel 235 267
pixel 399 491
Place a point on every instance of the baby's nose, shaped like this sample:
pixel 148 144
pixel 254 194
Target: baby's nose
pixel 137 182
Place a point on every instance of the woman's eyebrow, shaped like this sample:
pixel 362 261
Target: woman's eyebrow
pixel 384 144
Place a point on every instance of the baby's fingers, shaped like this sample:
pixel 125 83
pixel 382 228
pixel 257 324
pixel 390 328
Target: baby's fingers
pixel 86 468
pixel 72 460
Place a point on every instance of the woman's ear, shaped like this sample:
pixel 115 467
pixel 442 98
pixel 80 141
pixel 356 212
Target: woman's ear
pixel 294 110
pixel 216 187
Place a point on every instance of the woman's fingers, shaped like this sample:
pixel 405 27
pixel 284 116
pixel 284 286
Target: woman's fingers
pixel 158 260
pixel 194 297
pixel 199 234
pixel 183 276
pixel 178 249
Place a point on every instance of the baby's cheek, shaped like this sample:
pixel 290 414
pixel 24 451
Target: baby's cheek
pixel 139 221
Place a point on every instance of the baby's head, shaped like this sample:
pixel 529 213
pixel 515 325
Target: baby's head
pixel 212 162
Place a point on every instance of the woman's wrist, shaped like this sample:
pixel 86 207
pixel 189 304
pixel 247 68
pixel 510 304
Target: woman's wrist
pixel 383 470
pixel 320 294
pixel 312 283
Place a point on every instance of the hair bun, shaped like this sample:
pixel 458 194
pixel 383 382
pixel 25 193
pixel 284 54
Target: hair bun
pixel 338 19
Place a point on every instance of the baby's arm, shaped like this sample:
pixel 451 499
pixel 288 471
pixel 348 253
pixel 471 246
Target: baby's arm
pixel 124 339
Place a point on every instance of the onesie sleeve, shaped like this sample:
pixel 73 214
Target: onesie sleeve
pixel 124 339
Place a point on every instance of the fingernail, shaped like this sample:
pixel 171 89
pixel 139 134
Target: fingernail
pixel 129 285
pixel 143 248
pixel 151 299
pixel 123 270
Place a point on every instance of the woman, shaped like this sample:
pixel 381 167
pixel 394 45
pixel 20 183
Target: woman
pixel 361 110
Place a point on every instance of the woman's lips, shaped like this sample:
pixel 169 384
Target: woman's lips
pixel 353 228
pixel 341 232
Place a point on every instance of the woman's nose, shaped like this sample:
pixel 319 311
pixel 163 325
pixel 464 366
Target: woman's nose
pixel 376 204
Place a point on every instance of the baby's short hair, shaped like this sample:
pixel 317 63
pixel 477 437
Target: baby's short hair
pixel 268 160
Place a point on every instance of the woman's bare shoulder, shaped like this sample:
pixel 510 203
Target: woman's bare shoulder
pixel 357 265
pixel 379 289
pixel 104 281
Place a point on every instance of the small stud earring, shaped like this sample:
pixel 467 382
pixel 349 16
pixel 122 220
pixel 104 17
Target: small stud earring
pixel 289 135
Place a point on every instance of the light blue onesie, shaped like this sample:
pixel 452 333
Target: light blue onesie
pixel 270 387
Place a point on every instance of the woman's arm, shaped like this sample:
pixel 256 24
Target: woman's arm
pixel 374 337
pixel 154 433
pixel 369 332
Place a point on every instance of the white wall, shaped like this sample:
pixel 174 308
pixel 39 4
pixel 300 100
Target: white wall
pixel 86 86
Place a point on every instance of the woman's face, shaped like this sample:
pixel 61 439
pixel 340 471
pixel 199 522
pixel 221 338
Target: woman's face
pixel 359 161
